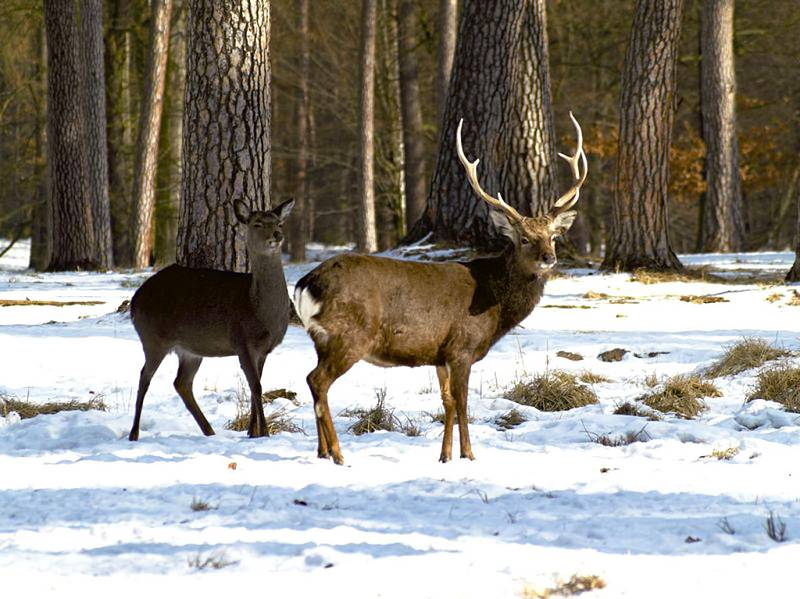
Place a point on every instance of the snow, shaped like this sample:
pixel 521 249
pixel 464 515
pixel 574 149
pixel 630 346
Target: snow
pixel 85 511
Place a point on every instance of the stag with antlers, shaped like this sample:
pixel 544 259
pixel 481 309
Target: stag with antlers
pixel 393 312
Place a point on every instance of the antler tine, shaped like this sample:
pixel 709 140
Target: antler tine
pixel 569 198
pixel 472 176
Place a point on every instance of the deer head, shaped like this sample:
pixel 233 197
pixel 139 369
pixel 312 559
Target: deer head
pixel 264 228
pixel 533 238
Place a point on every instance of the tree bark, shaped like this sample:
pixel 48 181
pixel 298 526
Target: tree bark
pixel 367 232
pixel 411 108
pixel 118 112
pixel 298 229
pixel 169 170
pixel 448 26
pixel 91 28
pixel 226 129
pixel 144 172
pixel 723 227
pixel 500 86
pixel 73 228
pixel 640 232
pixel 41 221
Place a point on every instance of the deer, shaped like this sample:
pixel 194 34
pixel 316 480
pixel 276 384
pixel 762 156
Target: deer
pixel 201 312
pixel 394 312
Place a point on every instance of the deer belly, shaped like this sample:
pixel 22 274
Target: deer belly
pixel 401 346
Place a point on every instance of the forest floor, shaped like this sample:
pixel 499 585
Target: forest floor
pixel 680 509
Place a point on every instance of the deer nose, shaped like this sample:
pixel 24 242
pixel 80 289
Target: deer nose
pixel 277 236
pixel 550 259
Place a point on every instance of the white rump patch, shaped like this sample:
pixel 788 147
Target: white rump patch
pixel 307 307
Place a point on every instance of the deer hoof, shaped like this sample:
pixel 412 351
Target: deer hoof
pixel 444 458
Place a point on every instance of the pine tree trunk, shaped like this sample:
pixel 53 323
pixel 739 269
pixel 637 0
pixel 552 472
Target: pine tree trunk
pixel 413 139
pixel 169 181
pixel 118 113
pixel 723 227
pixel 448 26
pixel 73 228
pixel 367 240
pixel 500 86
pixel 226 129
pixel 144 173
pixel 91 30
pixel 299 220
pixel 793 275
pixel 640 232
pixel 41 218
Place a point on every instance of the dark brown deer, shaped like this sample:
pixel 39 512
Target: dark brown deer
pixel 200 312
pixel 398 313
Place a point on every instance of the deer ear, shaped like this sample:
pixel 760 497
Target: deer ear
pixel 241 211
pixel 563 222
pixel 503 225
pixel 282 210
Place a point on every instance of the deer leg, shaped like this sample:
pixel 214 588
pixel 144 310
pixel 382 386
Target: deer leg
pixel 188 365
pixel 152 360
pixel 459 386
pixel 329 368
pixel 443 373
pixel 258 423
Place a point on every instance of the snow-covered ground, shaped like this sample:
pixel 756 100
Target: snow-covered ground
pixel 84 512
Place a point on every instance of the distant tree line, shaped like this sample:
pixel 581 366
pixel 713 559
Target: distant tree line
pixel 129 127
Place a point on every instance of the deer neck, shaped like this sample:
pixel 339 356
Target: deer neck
pixel 517 291
pixel 268 286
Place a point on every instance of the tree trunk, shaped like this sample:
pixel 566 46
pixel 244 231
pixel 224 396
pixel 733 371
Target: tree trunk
pixel 640 233
pixel 367 232
pixel 144 173
pixel 73 228
pixel 41 221
pixel 448 26
pixel 413 139
pixel 723 228
pixel 500 86
pixel 118 112
pixel 91 28
pixel 298 229
pixel 226 129
pixel 168 204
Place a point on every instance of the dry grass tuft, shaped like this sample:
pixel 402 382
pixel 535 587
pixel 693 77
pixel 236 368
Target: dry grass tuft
pixel 774 297
pixel 776 528
pixel 620 440
pixel 28 409
pixel 510 419
pixel 591 378
pixel 703 299
pixel 4 303
pixel 630 408
pixel 681 395
pixel 574 586
pixel 794 298
pixel 780 384
pixel 703 274
pixel 198 505
pixel 651 380
pixel 278 421
pixel 551 391
pixel 379 417
pixel 750 352
pixel 438 417
pixel 215 561
pixel 723 454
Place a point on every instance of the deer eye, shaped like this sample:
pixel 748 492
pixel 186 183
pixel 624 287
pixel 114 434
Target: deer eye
pixel 257 225
pixel 525 241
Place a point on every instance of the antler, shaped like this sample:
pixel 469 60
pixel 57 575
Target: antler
pixel 566 201
pixel 472 177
